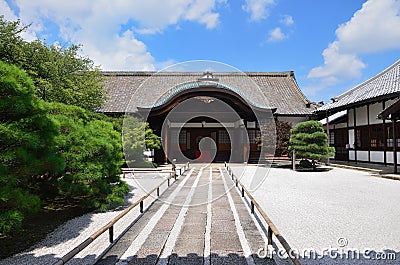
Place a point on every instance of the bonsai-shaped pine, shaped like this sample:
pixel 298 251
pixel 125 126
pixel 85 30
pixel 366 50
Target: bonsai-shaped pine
pixel 310 141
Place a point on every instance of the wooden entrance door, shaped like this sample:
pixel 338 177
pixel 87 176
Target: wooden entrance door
pixel 341 138
pixel 194 137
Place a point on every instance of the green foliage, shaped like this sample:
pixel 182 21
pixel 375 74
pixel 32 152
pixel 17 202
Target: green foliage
pixel 138 136
pixel 115 197
pixel 310 141
pixel 10 220
pixel 27 153
pixel 151 140
pixel 11 42
pixel 47 149
pixel 92 152
pixel 60 74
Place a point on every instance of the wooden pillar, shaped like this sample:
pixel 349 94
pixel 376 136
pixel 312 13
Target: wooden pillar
pixel 166 144
pixel 384 128
pixel 369 134
pixel 328 134
pixel 348 135
pixel 235 149
pixel 245 152
pixel 394 145
pixel 355 134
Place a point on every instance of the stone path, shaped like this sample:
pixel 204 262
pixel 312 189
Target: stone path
pixel 201 219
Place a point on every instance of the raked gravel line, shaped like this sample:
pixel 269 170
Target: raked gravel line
pixel 324 210
pixel 75 231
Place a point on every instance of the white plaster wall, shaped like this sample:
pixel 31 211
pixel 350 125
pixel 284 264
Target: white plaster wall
pixel 361 116
pixel 377 156
pixel 351 138
pixel 330 126
pixel 336 126
pixel 341 125
pixel 374 110
pixel 389 157
pixel 350 117
pixel 362 155
pixel 351 155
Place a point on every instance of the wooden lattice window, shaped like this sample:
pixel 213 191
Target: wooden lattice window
pixel 223 137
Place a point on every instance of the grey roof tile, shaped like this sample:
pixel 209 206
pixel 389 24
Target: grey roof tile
pixel 280 89
pixel 385 85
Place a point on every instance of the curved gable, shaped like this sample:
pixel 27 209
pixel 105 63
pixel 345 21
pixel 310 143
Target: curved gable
pixel 280 89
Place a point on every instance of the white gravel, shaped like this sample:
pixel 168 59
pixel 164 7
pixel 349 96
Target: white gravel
pixel 317 211
pixel 323 211
pixel 73 232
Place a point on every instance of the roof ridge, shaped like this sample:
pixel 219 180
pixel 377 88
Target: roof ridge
pixel 380 74
pixel 276 73
pixel 280 88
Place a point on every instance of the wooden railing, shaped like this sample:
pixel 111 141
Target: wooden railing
pixel 272 230
pixel 175 168
pixel 110 225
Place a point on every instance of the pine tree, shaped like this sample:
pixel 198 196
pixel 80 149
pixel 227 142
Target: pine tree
pixel 310 141
pixel 27 153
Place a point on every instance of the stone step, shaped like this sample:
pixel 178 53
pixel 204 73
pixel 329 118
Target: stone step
pixel 206 222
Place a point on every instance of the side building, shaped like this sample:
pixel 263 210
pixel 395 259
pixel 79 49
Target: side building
pixel 154 95
pixel 362 122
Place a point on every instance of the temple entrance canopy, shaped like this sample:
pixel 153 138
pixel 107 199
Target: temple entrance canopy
pixel 221 116
pixel 207 124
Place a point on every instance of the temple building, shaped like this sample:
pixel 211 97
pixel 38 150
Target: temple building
pixel 211 105
pixel 362 123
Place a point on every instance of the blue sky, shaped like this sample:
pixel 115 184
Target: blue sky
pixel 332 45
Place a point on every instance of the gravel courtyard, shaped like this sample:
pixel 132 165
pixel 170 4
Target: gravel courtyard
pixel 75 231
pixel 333 212
pixel 338 210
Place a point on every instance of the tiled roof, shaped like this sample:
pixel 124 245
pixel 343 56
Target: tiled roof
pixel 280 89
pixel 392 112
pixel 385 85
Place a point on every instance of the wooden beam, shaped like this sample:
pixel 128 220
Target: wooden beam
pixel 384 149
pixel 369 134
pixel 394 146
pixel 355 134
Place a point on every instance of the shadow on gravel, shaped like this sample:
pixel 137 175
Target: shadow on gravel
pixel 52 234
pixel 189 259
pixel 58 238
pixel 372 258
pixel 49 259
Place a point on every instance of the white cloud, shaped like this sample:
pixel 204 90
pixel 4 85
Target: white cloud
pixel 6 11
pixel 10 16
pixel 276 35
pixel 201 11
pixel 337 66
pixel 100 26
pixel 373 28
pixel 287 20
pixel 126 53
pixel 257 8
